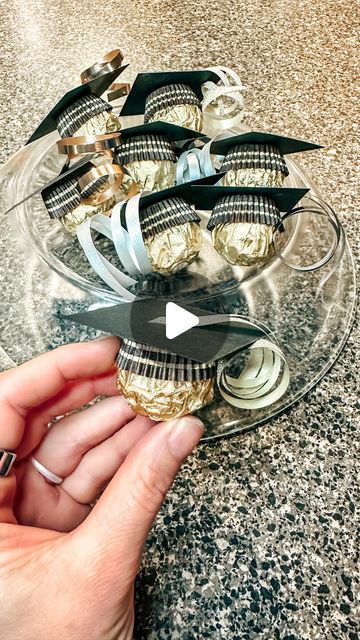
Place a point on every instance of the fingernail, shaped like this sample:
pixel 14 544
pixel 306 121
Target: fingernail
pixel 184 434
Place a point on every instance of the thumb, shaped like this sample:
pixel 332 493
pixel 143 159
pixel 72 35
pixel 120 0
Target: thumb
pixel 114 533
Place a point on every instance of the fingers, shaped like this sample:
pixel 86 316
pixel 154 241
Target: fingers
pixel 64 507
pixel 73 396
pixel 70 438
pixel 40 504
pixel 118 525
pixel 100 464
pixel 34 382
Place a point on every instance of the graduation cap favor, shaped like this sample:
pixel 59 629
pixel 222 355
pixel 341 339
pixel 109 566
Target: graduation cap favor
pixel 256 158
pixel 172 96
pixel 149 153
pixel 165 379
pixel 243 219
pixel 82 111
pixel 170 226
pixel 158 232
pixel 85 190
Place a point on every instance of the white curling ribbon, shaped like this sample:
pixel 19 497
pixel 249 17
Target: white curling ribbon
pixel 197 163
pixel 113 277
pixel 263 381
pixel 258 385
pixel 216 113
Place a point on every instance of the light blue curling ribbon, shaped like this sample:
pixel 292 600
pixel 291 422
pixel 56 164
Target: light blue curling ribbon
pixel 128 243
pixel 113 277
pixel 122 242
pixel 197 162
pixel 132 215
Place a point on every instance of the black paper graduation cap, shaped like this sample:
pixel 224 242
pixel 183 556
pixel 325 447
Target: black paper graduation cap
pixel 145 83
pixel 203 343
pixel 159 128
pixel 77 170
pixel 205 197
pixel 284 144
pixel 95 87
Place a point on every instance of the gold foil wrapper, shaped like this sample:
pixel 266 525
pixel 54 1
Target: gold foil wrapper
pixel 71 221
pixel 243 243
pixel 104 122
pixel 173 249
pixel 254 177
pixel 184 115
pixel 152 175
pixel 164 399
pixel 83 212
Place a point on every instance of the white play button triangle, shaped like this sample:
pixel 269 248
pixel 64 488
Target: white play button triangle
pixel 178 320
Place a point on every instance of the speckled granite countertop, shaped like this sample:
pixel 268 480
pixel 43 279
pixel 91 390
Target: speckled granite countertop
pixel 259 537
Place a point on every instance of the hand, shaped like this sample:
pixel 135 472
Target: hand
pixel 66 570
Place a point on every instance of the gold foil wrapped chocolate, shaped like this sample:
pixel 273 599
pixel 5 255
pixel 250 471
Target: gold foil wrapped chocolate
pixel 164 399
pixel 173 249
pixel 150 159
pixel 176 104
pixel 183 115
pixel 104 122
pixel 83 212
pixel 160 384
pixel 152 175
pixel 243 243
pixel 253 177
pixel 254 165
pixel 242 228
pixel 171 234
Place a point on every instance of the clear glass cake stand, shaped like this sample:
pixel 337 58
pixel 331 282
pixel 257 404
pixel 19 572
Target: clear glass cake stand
pixel 44 276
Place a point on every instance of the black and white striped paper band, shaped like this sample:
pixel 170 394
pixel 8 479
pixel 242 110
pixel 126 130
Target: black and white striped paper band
pixel 252 156
pixel 78 113
pixel 166 215
pixel 62 199
pixel 169 96
pixel 161 364
pixel 244 208
pixel 150 147
pixel 7 459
